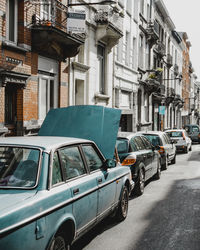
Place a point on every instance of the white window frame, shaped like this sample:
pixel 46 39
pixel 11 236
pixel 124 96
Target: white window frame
pixel 15 20
pixel 55 91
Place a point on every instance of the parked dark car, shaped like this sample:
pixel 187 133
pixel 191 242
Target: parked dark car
pixel 165 146
pixel 193 131
pixel 136 151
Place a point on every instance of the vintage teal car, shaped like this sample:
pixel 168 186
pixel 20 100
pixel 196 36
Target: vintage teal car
pixel 53 189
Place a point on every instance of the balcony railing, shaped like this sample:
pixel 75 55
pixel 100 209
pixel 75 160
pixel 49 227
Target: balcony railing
pixel 169 60
pixel 49 13
pixel 49 35
pixel 152 32
pixel 160 48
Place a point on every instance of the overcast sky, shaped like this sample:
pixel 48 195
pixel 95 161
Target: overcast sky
pixel 185 14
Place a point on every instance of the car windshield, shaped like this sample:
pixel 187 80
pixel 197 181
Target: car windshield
pixel 175 134
pixel 154 139
pixel 122 145
pixel 18 167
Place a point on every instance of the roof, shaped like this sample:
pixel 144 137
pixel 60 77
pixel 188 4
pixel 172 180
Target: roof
pixel 96 123
pixel 152 132
pixel 171 130
pixel 46 143
pixel 127 135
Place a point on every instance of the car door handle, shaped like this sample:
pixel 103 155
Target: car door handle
pixel 76 191
pixel 100 180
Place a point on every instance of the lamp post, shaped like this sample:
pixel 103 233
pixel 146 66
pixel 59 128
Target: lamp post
pixel 105 2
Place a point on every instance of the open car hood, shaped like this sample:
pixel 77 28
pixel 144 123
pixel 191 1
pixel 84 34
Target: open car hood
pixel 92 122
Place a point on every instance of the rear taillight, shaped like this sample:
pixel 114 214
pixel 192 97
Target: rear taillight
pixel 199 135
pixel 161 150
pixel 129 161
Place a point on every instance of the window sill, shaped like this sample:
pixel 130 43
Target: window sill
pixel 13 46
pixel 103 97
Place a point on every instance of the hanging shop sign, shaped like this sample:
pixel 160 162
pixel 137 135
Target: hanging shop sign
pixel 162 110
pixel 76 21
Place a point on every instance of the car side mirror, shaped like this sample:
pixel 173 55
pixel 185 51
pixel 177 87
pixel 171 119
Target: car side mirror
pixel 109 163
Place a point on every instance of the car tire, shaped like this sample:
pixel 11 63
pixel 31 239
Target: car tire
pixel 173 161
pixel 158 173
pixel 122 209
pixel 165 165
pixel 59 242
pixel 186 150
pixel 139 188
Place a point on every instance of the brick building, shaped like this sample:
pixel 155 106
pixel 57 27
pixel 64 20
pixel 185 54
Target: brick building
pixel 34 46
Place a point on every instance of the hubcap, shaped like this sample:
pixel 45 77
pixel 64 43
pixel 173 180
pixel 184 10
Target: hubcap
pixel 124 203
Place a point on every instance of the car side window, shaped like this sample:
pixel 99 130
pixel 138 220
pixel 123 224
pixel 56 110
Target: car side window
pixel 56 172
pixel 72 162
pixel 146 142
pixel 195 129
pixel 138 141
pixel 93 160
pixel 133 145
pixel 167 138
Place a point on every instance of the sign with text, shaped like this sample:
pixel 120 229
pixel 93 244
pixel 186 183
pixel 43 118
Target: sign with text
pixel 76 21
pixel 162 110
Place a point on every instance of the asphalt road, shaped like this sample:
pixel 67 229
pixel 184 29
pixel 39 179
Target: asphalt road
pixel 165 217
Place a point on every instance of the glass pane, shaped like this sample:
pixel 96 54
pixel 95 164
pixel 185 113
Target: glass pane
pixel 92 158
pixel 51 94
pixel 72 162
pixel 122 145
pixel 11 20
pixel 43 100
pixel 18 166
pixel 56 175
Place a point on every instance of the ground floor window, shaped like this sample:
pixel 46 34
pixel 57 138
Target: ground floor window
pixel 48 92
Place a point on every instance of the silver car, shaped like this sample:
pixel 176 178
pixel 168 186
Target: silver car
pixel 181 139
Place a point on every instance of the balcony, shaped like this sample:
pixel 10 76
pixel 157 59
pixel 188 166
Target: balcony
pixel 152 32
pixel 160 49
pixel 152 86
pixel 109 26
pixel 49 30
pixel 169 61
pixel 170 96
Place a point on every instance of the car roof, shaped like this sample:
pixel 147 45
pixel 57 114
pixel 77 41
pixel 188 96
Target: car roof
pixel 127 135
pixel 152 132
pixel 171 130
pixel 47 143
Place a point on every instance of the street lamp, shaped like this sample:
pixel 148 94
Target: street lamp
pixel 105 2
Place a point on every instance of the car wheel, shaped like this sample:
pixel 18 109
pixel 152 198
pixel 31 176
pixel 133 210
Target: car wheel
pixel 186 150
pixel 165 165
pixel 158 173
pixel 139 188
pixel 59 242
pixel 122 209
pixel 173 160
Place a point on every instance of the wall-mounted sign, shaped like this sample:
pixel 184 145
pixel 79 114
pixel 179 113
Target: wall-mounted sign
pixel 162 110
pixel 76 21
pixel 14 60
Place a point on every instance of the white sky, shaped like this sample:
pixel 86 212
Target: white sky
pixel 185 14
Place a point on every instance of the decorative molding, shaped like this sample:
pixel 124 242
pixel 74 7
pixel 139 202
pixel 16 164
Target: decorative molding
pixel 80 66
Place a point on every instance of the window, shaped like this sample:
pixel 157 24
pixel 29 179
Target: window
pixel 146 142
pixel 141 51
pixel 134 54
pixel 72 162
pixel 47 95
pixel 11 20
pixel 56 173
pixel 142 6
pixel 93 160
pixel 101 61
pixel 45 10
pixel 127 48
pixel 139 143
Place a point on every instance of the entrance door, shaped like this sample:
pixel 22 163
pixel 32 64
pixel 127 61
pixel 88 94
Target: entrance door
pixel 11 108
